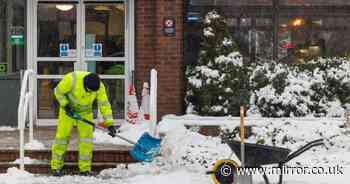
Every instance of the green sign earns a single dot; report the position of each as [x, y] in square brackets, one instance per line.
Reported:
[3, 67]
[17, 40]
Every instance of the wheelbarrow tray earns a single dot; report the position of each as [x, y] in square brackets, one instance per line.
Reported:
[258, 155]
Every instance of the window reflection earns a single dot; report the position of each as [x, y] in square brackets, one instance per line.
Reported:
[304, 38]
[105, 29]
[47, 104]
[55, 68]
[106, 67]
[115, 90]
[55, 27]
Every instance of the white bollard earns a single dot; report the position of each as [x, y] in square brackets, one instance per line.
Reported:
[153, 104]
[347, 117]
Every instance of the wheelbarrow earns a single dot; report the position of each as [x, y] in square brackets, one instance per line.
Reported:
[257, 155]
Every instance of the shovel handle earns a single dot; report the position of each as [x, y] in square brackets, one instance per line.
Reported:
[116, 135]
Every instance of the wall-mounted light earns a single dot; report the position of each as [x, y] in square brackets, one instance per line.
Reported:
[102, 8]
[64, 7]
[298, 22]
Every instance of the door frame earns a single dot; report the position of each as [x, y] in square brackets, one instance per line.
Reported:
[32, 59]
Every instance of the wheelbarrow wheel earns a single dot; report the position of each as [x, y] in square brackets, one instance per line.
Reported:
[224, 172]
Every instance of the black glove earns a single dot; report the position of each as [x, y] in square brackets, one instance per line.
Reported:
[111, 131]
[70, 112]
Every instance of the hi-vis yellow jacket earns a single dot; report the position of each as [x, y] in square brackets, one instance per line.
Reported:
[70, 90]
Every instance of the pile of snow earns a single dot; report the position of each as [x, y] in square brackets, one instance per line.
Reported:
[183, 148]
[34, 145]
[180, 147]
[127, 130]
[28, 160]
[15, 176]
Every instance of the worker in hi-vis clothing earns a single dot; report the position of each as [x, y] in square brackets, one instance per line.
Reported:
[76, 93]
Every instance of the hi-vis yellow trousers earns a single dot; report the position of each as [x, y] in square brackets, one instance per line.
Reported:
[85, 140]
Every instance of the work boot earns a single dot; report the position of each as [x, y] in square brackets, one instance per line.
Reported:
[57, 173]
[85, 173]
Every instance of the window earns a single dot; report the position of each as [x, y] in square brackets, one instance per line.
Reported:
[12, 36]
[287, 31]
[314, 2]
[302, 38]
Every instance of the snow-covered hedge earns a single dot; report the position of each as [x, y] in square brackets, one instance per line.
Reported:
[319, 88]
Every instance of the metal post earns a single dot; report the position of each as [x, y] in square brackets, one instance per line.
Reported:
[242, 135]
[21, 145]
[22, 122]
[153, 103]
[347, 117]
[31, 118]
[243, 179]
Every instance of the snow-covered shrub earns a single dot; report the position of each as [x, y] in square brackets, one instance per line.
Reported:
[219, 82]
[319, 87]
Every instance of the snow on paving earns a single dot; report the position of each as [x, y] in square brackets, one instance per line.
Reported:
[187, 154]
[34, 145]
[7, 128]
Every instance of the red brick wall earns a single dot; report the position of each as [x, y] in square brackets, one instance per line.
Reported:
[165, 54]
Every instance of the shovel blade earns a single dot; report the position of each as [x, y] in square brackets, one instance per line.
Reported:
[146, 148]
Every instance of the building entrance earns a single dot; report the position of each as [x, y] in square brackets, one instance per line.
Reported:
[79, 35]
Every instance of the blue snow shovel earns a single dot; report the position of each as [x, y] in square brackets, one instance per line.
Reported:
[144, 150]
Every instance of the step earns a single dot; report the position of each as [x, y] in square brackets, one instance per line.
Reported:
[69, 168]
[115, 156]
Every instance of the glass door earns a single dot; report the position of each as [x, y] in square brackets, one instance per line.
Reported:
[104, 52]
[79, 35]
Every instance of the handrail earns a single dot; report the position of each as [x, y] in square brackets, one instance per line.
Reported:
[25, 102]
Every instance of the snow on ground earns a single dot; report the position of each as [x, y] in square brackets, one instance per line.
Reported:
[127, 130]
[187, 154]
[7, 128]
[28, 160]
[15, 176]
[34, 145]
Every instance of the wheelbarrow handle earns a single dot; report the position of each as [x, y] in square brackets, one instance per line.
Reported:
[301, 150]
